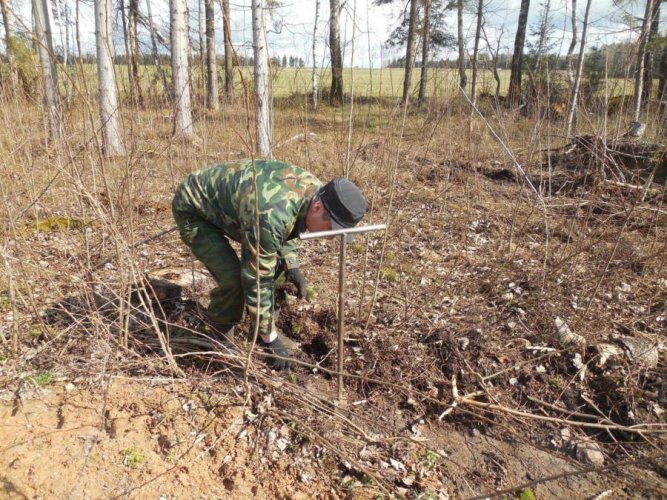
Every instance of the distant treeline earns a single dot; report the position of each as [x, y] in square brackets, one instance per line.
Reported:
[620, 59]
[164, 59]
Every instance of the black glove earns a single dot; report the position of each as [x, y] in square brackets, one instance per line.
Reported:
[296, 276]
[277, 348]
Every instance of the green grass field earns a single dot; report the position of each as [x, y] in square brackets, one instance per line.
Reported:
[285, 82]
[360, 82]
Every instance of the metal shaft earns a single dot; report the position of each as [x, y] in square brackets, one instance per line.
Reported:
[338, 232]
[341, 313]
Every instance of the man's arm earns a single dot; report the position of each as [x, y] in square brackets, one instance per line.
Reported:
[289, 253]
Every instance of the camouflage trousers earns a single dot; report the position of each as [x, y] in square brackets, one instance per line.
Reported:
[210, 245]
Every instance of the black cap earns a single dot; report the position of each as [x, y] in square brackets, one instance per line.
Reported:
[344, 202]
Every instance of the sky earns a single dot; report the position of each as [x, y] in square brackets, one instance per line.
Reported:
[365, 26]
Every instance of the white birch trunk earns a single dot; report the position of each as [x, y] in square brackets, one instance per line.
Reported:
[262, 100]
[45, 48]
[314, 73]
[577, 79]
[108, 97]
[180, 70]
[211, 59]
[573, 43]
[641, 58]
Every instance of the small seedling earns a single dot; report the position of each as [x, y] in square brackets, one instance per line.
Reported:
[357, 247]
[430, 459]
[311, 292]
[556, 382]
[389, 274]
[43, 379]
[527, 494]
[132, 457]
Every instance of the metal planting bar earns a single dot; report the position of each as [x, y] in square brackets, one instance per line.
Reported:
[342, 234]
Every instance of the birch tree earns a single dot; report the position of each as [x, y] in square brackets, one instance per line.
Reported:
[262, 101]
[577, 79]
[133, 21]
[410, 51]
[13, 77]
[45, 49]
[212, 100]
[573, 44]
[108, 98]
[641, 59]
[475, 52]
[463, 79]
[426, 44]
[313, 77]
[180, 69]
[229, 49]
[514, 94]
[336, 93]
[649, 65]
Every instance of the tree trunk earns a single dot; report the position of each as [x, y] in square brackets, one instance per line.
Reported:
[77, 32]
[577, 79]
[410, 51]
[45, 49]
[478, 34]
[128, 59]
[133, 21]
[13, 76]
[108, 98]
[463, 78]
[180, 69]
[573, 44]
[649, 58]
[211, 67]
[426, 45]
[314, 72]
[514, 94]
[641, 57]
[262, 101]
[229, 49]
[201, 32]
[336, 93]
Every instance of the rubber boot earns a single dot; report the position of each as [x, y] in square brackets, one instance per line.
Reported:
[223, 331]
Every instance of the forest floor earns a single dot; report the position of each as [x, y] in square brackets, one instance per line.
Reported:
[498, 342]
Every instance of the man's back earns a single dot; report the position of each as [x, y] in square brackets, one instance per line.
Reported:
[224, 195]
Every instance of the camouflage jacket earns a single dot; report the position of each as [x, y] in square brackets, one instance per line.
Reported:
[224, 195]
